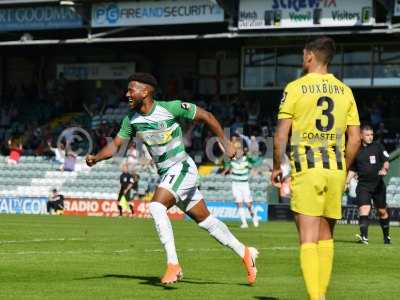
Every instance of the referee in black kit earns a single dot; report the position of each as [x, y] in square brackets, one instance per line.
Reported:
[371, 165]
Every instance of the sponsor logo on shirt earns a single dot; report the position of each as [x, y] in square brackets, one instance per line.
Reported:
[156, 138]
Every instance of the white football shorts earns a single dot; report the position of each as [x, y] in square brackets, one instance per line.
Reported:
[181, 181]
[241, 191]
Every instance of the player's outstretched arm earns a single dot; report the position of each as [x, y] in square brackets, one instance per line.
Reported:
[281, 139]
[105, 153]
[353, 144]
[212, 123]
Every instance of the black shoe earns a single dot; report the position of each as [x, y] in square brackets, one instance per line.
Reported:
[387, 240]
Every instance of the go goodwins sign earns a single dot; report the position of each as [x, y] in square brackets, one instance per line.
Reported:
[41, 17]
[255, 14]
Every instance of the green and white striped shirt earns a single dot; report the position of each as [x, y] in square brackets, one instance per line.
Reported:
[160, 131]
[240, 168]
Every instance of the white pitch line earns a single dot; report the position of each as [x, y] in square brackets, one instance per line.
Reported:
[39, 240]
[71, 252]
[223, 249]
[119, 251]
[63, 252]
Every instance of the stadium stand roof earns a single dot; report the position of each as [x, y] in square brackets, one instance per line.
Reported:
[224, 30]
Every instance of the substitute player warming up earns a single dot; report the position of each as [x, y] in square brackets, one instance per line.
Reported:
[156, 123]
[371, 165]
[318, 110]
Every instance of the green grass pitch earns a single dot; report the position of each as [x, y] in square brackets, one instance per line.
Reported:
[65, 257]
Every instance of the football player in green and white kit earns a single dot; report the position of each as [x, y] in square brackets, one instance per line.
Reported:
[239, 170]
[156, 124]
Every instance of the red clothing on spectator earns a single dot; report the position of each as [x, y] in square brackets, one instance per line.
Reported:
[15, 153]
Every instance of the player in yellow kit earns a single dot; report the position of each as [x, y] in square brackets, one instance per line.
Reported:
[317, 110]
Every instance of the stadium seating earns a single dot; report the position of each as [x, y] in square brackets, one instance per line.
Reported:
[36, 176]
[393, 192]
[217, 187]
[116, 114]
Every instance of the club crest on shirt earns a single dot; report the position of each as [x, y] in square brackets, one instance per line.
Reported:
[283, 97]
[185, 105]
[162, 125]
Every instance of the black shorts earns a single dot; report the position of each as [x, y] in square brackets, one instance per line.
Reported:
[378, 195]
[55, 205]
[121, 193]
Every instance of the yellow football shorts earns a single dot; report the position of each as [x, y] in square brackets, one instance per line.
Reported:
[318, 192]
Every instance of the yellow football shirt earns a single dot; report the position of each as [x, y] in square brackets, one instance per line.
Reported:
[321, 107]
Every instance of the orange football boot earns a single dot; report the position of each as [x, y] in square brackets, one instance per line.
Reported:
[172, 274]
[249, 260]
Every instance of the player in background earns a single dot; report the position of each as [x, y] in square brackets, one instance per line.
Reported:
[371, 165]
[239, 169]
[55, 203]
[318, 110]
[129, 182]
[156, 123]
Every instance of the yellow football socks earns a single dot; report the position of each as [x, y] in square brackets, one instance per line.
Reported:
[325, 253]
[309, 262]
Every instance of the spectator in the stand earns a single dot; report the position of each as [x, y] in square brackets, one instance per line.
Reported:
[197, 136]
[265, 131]
[55, 203]
[113, 97]
[13, 113]
[381, 134]
[5, 117]
[40, 149]
[238, 124]
[375, 115]
[95, 110]
[239, 108]
[70, 160]
[59, 154]
[252, 115]
[101, 136]
[216, 106]
[15, 152]
[69, 134]
[363, 112]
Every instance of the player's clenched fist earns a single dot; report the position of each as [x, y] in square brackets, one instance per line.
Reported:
[90, 160]
[276, 177]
